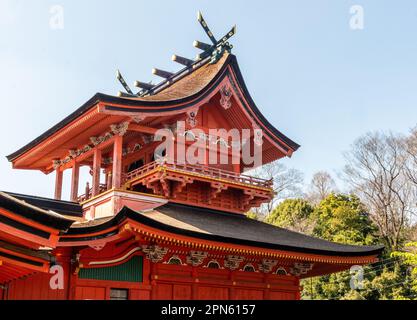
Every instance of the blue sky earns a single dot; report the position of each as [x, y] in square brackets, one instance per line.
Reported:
[317, 80]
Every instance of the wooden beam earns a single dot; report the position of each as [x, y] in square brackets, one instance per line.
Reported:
[140, 128]
[86, 155]
[162, 73]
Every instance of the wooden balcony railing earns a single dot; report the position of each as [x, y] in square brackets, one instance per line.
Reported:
[89, 192]
[204, 171]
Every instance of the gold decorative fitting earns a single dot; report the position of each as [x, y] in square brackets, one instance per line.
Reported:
[301, 268]
[155, 253]
[267, 265]
[119, 129]
[253, 253]
[225, 99]
[196, 258]
[233, 262]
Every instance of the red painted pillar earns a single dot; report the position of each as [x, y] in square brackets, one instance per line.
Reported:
[58, 184]
[194, 286]
[74, 181]
[232, 290]
[154, 277]
[108, 180]
[117, 162]
[300, 288]
[96, 172]
[236, 168]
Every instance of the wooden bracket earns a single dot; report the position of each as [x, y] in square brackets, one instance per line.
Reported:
[216, 189]
[180, 185]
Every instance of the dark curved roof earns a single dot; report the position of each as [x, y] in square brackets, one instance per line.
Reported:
[179, 95]
[32, 212]
[179, 219]
[67, 208]
[227, 227]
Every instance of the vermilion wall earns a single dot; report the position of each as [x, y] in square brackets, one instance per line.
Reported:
[183, 282]
[164, 282]
[34, 287]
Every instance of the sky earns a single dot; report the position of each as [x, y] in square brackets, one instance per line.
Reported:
[317, 77]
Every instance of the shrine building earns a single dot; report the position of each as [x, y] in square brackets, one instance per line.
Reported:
[161, 217]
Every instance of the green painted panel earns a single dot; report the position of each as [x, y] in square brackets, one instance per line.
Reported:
[130, 271]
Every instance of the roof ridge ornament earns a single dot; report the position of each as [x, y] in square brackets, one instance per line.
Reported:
[211, 54]
[123, 82]
[218, 47]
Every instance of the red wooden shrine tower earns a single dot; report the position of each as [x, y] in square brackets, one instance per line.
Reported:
[152, 225]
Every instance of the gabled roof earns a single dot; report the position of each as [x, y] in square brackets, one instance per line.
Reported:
[178, 94]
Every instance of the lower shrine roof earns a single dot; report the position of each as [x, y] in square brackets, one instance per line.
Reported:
[66, 208]
[183, 220]
[225, 227]
[39, 254]
[33, 209]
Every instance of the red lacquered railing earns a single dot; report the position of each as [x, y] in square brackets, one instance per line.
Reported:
[89, 192]
[126, 177]
[197, 169]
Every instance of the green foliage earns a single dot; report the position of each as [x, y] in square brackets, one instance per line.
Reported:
[292, 214]
[338, 218]
[252, 215]
[389, 284]
[342, 218]
[379, 283]
[410, 259]
[331, 286]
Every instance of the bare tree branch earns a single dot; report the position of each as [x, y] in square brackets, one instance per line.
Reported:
[379, 170]
[287, 184]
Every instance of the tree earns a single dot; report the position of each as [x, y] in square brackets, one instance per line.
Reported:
[293, 214]
[343, 218]
[286, 184]
[338, 218]
[252, 215]
[390, 283]
[411, 149]
[377, 172]
[410, 258]
[322, 184]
